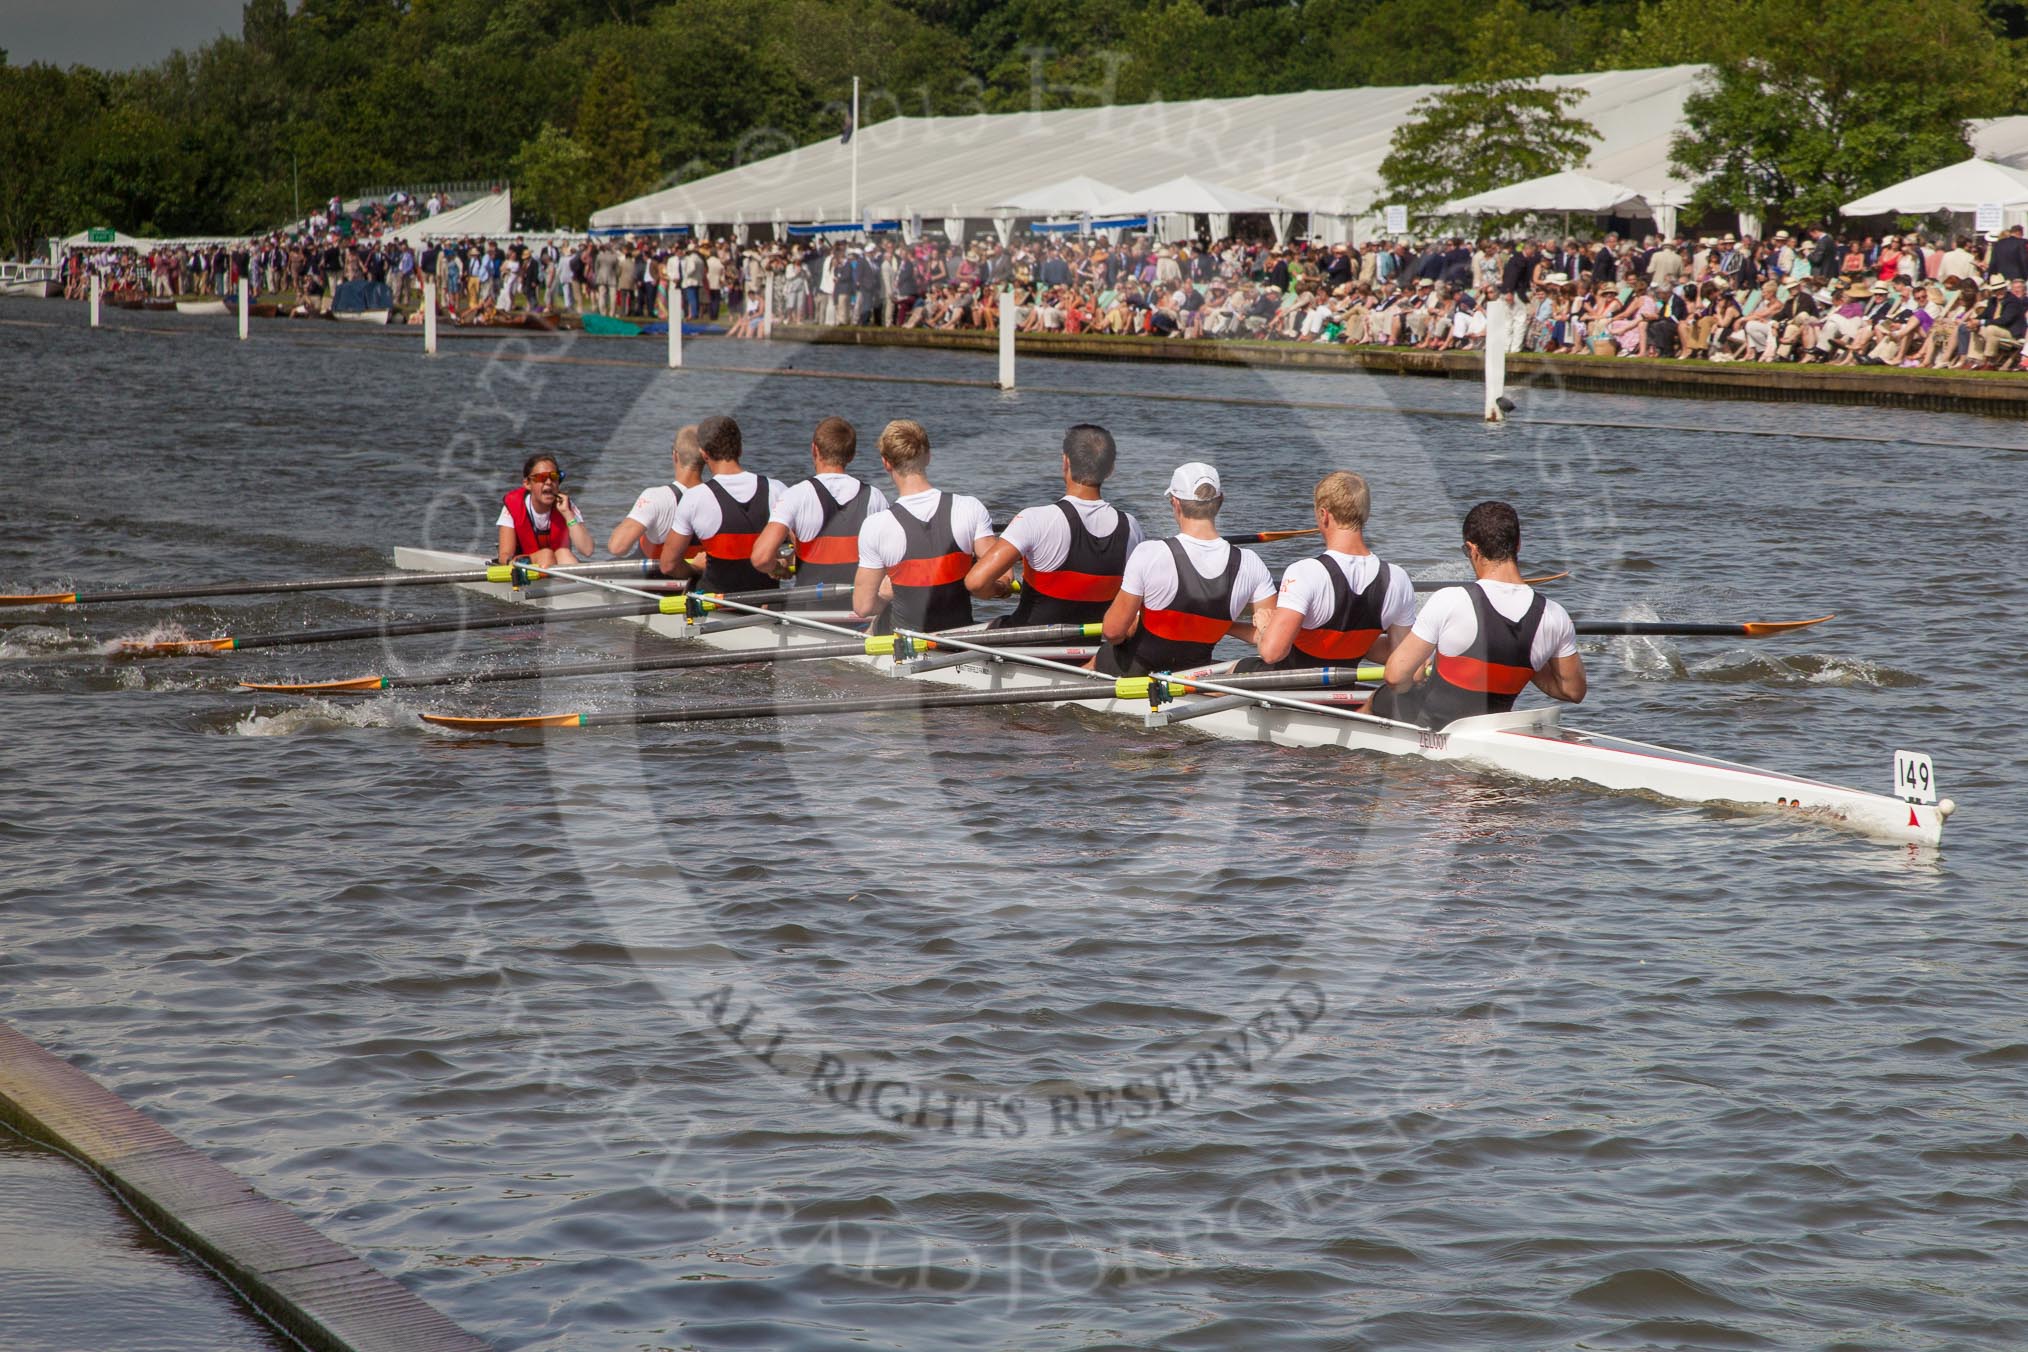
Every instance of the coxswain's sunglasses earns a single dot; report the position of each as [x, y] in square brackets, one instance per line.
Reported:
[546, 476]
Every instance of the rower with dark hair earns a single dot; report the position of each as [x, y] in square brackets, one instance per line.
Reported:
[537, 520]
[821, 514]
[1073, 551]
[1180, 596]
[913, 557]
[726, 516]
[1491, 640]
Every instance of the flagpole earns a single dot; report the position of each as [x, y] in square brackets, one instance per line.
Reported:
[855, 148]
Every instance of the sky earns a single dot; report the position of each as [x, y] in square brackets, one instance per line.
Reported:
[111, 34]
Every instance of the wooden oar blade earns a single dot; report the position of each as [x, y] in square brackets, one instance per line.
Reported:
[1267, 535]
[468, 724]
[1546, 577]
[40, 599]
[181, 647]
[356, 684]
[1762, 628]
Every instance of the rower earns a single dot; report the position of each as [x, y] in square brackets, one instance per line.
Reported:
[1490, 639]
[913, 557]
[727, 516]
[1181, 595]
[537, 521]
[1343, 606]
[647, 525]
[1073, 552]
[822, 513]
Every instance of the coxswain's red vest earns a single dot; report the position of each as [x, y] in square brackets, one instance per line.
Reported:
[1352, 628]
[1079, 590]
[526, 538]
[832, 554]
[1182, 634]
[728, 552]
[1486, 677]
[929, 582]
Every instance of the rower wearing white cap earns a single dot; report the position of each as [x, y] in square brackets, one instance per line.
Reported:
[1491, 640]
[1072, 552]
[916, 553]
[1180, 596]
[647, 525]
[1345, 605]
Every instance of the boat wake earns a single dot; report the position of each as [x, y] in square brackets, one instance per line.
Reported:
[320, 716]
[1651, 659]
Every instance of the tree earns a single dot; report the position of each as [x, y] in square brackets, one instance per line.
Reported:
[1799, 125]
[1500, 126]
[553, 180]
[612, 127]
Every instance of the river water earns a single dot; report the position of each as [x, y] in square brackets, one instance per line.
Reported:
[1017, 1026]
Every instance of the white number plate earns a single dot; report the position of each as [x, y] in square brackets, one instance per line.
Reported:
[1914, 777]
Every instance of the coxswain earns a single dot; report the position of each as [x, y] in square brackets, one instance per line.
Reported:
[1073, 551]
[821, 514]
[1343, 607]
[1491, 639]
[914, 556]
[646, 527]
[726, 516]
[538, 522]
[1181, 595]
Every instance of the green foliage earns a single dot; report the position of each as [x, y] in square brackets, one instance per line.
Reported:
[1794, 125]
[585, 102]
[553, 181]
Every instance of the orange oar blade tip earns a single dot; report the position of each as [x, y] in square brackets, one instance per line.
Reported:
[462, 724]
[358, 683]
[175, 648]
[40, 599]
[1546, 577]
[1762, 628]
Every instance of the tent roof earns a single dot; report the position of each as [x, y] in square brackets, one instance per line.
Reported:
[1318, 151]
[1567, 191]
[1065, 197]
[491, 214]
[83, 240]
[1958, 187]
[2003, 140]
[1190, 195]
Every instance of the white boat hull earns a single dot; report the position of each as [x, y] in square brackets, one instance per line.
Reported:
[201, 307]
[360, 316]
[1527, 743]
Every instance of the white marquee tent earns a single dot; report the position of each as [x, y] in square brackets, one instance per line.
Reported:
[491, 214]
[1077, 195]
[1964, 186]
[1317, 152]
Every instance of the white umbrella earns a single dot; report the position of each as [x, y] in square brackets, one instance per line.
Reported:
[1074, 196]
[1570, 191]
[1959, 187]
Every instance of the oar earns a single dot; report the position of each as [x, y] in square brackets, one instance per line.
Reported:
[1261, 537]
[1430, 584]
[516, 573]
[239, 643]
[956, 699]
[1038, 633]
[1671, 629]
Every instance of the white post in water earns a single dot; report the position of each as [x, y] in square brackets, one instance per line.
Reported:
[1007, 339]
[767, 305]
[1496, 359]
[244, 310]
[95, 298]
[675, 324]
[429, 319]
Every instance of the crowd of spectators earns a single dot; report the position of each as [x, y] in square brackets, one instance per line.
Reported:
[1892, 300]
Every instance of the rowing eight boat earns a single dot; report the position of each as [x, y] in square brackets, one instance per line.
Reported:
[1528, 743]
